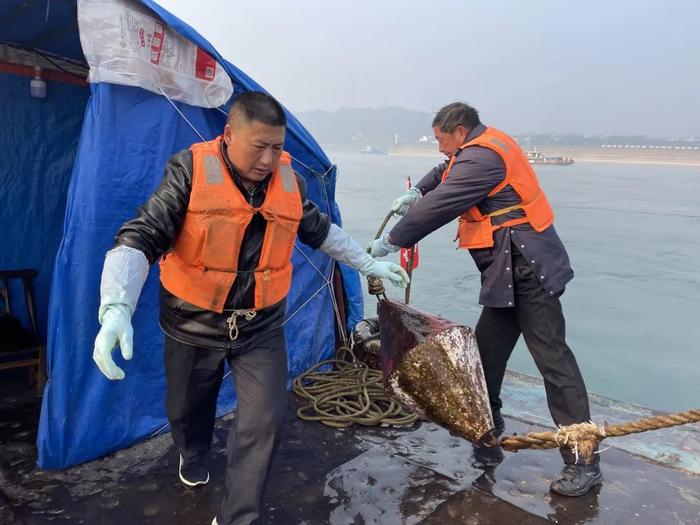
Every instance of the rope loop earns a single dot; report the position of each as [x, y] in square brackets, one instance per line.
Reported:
[584, 438]
[344, 391]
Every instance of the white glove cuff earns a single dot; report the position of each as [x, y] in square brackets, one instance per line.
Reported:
[391, 248]
[114, 311]
[343, 248]
[124, 272]
[367, 265]
[416, 191]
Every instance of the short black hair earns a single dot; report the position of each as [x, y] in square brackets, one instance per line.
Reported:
[456, 114]
[255, 105]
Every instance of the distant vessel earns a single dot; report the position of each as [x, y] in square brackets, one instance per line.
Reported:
[374, 150]
[537, 157]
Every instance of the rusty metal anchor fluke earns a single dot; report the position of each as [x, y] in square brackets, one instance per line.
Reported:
[432, 366]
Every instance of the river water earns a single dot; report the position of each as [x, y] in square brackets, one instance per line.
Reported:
[633, 234]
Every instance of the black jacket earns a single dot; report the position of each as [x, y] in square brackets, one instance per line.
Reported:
[156, 227]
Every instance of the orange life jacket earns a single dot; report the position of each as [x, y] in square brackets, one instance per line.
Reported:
[475, 230]
[203, 264]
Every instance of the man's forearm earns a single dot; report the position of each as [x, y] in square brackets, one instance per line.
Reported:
[431, 180]
[429, 214]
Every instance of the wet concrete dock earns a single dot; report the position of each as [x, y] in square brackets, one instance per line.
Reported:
[420, 475]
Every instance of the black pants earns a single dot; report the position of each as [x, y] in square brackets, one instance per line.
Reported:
[538, 316]
[259, 370]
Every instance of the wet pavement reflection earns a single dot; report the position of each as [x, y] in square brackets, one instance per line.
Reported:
[420, 475]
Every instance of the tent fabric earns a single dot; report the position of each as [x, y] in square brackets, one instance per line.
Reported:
[34, 178]
[50, 26]
[127, 135]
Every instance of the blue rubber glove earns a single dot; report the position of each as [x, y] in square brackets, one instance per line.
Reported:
[400, 206]
[385, 270]
[382, 247]
[116, 328]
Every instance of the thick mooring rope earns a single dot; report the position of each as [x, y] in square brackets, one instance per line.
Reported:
[583, 438]
[350, 393]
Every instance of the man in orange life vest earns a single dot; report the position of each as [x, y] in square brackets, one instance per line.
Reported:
[506, 224]
[223, 223]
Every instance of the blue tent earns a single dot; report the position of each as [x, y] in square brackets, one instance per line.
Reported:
[77, 164]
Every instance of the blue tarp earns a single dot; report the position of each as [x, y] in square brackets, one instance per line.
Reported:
[34, 177]
[126, 137]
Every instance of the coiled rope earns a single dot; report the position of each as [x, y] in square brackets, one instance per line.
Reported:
[349, 393]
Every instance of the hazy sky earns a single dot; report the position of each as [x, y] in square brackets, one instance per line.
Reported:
[627, 66]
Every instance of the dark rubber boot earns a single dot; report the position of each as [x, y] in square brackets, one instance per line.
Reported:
[498, 424]
[486, 457]
[193, 474]
[577, 480]
[489, 457]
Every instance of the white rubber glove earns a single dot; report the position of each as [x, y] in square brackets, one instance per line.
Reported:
[401, 205]
[124, 272]
[382, 247]
[116, 328]
[385, 270]
[345, 249]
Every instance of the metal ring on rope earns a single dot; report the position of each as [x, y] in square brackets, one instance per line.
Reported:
[375, 286]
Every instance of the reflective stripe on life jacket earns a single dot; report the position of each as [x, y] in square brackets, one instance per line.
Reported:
[475, 230]
[203, 264]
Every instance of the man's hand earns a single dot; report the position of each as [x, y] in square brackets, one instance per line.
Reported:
[385, 270]
[116, 327]
[400, 206]
[381, 247]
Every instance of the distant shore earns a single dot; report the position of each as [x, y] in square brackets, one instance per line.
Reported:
[585, 154]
